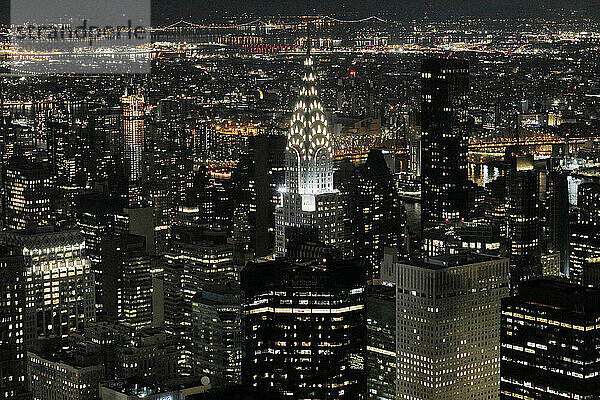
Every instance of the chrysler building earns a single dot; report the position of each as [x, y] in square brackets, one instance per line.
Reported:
[308, 199]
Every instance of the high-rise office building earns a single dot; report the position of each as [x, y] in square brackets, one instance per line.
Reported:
[308, 198]
[27, 194]
[13, 384]
[444, 135]
[378, 220]
[8, 136]
[96, 216]
[260, 173]
[557, 210]
[550, 342]
[588, 202]
[448, 326]
[196, 257]
[60, 283]
[584, 234]
[217, 333]
[591, 273]
[305, 328]
[134, 139]
[106, 132]
[126, 280]
[209, 202]
[522, 216]
[380, 360]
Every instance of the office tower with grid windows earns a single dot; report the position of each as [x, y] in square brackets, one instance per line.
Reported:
[196, 257]
[12, 301]
[127, 280]
[134, 142]
[378, 218]
[522, 215]
[448, 326]
[59, 293]
[27, 194]
[550, 341]
[444, 135]
[380, 360]
[305, 328]
[584, 236]
[217, 333]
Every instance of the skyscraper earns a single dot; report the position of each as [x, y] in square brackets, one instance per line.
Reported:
[96, 216]
[196, 257]
[217, 333]
[304, 328]
[522, 216]
[444, 135]
[378, 220]
[60, 283]
[380, 360]
[133, 136]
[557, 213]
[308, 198]
[260, 173]
[127, 280]
[448, 326]
[584, 235]
[27, 194]
[550, 342]
[12, 301]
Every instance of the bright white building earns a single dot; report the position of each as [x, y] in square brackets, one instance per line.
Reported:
[308, 198]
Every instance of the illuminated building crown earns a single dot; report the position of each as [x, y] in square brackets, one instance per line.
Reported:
[309, 148]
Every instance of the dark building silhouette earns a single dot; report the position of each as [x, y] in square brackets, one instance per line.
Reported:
[378, 220]
[98, 216]
[303, 243]
[584, 230]
[522, 215]
[13, 383]
[305, 328]
[260, 173]
[550, 342]
[557, 212]
[380, 361]
[591, 273]
[127, 280]
[444, 126]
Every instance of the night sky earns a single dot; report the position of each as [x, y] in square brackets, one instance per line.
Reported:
[173, 10]
[436, 9]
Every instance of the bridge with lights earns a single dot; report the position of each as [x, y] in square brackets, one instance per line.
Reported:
[261, 25]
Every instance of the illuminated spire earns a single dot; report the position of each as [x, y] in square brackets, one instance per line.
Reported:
[309, 142]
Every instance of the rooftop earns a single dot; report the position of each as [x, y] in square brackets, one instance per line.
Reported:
[454, 260]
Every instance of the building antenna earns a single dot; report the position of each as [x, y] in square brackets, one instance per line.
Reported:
[308, 37]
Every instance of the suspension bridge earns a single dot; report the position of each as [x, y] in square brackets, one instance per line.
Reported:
[260, 24]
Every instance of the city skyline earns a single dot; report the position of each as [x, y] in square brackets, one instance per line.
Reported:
[300, 201]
